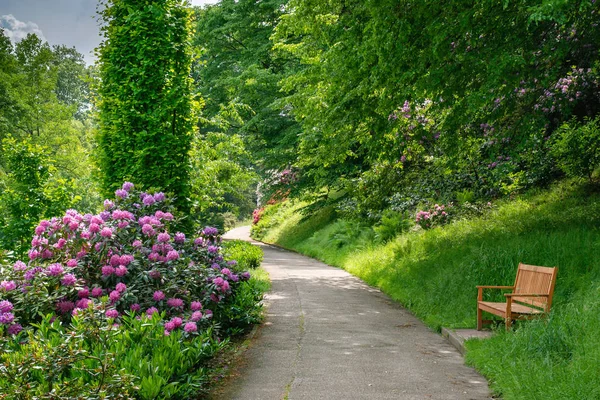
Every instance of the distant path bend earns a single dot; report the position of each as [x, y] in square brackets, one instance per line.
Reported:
[330, 336]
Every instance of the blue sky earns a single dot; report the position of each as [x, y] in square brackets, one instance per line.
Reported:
[68, 22]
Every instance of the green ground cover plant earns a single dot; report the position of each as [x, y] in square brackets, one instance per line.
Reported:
[434, 272]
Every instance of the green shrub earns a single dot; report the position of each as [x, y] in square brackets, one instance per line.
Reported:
[392, 223]
[245, 254]
[577, 148]
[92, 360]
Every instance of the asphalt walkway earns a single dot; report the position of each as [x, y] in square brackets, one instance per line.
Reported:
[330, 336]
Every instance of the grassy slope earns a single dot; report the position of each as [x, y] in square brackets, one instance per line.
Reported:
[434, 273]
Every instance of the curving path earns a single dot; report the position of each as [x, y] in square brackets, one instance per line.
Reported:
[330, 336]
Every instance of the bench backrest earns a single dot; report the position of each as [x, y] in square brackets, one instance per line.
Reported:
[535, 280]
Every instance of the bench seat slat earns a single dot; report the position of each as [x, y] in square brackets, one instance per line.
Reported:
[499, 309]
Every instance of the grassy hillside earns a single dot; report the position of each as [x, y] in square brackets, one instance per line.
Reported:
[434, 273]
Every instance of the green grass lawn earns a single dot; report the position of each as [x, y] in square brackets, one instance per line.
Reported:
[434, 274]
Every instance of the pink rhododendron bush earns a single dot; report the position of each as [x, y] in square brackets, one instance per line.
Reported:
[125, 271]
[127, 255]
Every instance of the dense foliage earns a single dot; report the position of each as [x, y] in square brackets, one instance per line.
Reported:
[45, 137]
[146, 110]
[138, 309]
[399, 102]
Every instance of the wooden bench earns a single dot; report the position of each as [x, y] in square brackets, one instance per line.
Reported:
[531, 296]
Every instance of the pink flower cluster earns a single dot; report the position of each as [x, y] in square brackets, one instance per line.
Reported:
[435, 216]
[127, 254]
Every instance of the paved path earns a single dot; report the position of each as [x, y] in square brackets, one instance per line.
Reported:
[330, 336]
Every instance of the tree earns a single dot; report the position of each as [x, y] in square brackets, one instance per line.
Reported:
[146, 111]
[238, 74]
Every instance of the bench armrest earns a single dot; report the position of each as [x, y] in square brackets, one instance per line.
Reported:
[526, 295]
[480, 290]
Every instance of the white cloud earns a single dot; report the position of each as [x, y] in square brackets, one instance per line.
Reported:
[16, 30]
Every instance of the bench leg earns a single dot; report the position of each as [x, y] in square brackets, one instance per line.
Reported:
[508, 322]
[479, 317]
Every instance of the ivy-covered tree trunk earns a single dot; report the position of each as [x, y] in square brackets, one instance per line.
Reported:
[146, 110]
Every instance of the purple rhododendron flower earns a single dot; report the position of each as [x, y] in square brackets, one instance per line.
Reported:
[121, 287]
[108, 204]
[163, 237]
[137, 243]
[195, 306]
[106, 232]
[54, 270]
[213, 249]
[190, 327]
[82, 304]
[122, 193]
[5, 306]
[170, 326]
[158, 295]
[175, 303]
[151, 311]
[168, 216]
[128, 186]
[14, 329]
[8, 285]
[196, 316]
[115, 260]
[179, 237]
[148, 200]
[7, 318]
[226, 271]
[135, 307]
[33, 254]
[29, 275]
[20, 266]
[72, 263]
[83, 293]
[94, 228]
[97, 292]
[108, 270]
[114, 296]
[112, 314]
[210, 231]
[225, 286]
[172, 255]
[121, 271]
[160, 196]
[177, 321]
[148, 230]
[232, 262]
[68, 280]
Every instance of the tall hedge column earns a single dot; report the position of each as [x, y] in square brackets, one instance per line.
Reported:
[146, 109]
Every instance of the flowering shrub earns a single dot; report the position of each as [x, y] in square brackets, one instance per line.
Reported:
[436, 216]
[257, 214]
[127, 256]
